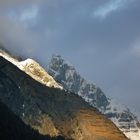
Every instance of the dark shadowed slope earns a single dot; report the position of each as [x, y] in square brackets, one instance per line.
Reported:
[13, 128]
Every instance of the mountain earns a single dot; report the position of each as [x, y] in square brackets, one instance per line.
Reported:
[52, 111]
[63, 72]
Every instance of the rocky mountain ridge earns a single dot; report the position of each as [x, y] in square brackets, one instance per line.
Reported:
[13, 128]
[33, 69]
[72, 81]
[52, 111]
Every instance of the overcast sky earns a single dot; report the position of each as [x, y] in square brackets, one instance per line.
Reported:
[101, 38]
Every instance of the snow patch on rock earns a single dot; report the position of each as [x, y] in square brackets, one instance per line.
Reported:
[33, 69]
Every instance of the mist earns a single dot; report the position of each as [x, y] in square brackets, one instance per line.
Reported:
[100, 38]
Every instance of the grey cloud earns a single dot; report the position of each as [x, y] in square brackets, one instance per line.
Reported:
[100, 49]
[111, 6]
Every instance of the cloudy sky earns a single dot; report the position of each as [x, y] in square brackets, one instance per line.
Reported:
[101, 38]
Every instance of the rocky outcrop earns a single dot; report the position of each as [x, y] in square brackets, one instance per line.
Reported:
[33, 69]
[50, 110]
[72, 81]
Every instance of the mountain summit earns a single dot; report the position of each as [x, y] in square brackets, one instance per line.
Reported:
[71, 80]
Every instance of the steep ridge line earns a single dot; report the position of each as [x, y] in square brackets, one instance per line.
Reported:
[68, 113]
[33, 69]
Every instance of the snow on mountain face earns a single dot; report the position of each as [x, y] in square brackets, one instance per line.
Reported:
[72, 81]
[67, 75]
[124, 118]
[33, 69]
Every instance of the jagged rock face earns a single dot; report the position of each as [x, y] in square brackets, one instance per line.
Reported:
[71, 80]
[125, 119]
[66, 74]
[52, 111]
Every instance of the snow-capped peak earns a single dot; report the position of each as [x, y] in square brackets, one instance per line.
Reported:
[33, 69]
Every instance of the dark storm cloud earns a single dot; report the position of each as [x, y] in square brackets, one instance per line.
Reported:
[101, 38]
